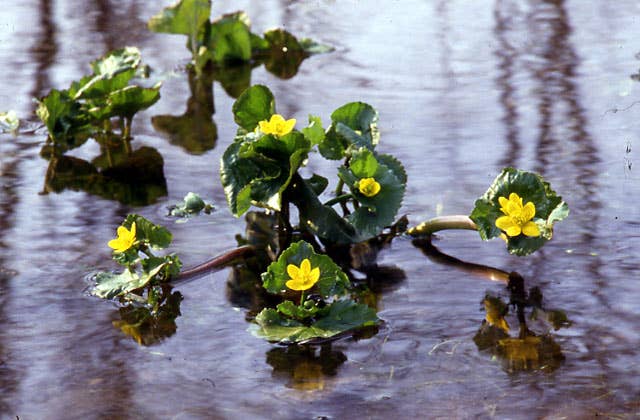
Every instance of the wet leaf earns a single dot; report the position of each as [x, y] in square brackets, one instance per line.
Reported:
[109, 285]
[532, 188]
[339, 317]
[292, 310]
[67, 122]
[191, 205]
[332, 280]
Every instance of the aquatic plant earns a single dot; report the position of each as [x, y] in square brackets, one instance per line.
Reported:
[86, 109]
[229, 39]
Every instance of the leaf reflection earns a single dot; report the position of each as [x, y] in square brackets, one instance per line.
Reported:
[135, 178]
[305, 368]
[149, 325]
[523, 349]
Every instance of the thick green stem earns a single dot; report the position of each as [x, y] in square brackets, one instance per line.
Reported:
[442, 223]
[339, 199]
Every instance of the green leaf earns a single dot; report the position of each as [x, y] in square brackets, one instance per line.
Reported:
[68, 124]
[109, 285]
[292, 310]
[314, 131]
[320, 219]
[254, 105]
[332, 280]
[156, 236]
[110, 73]
[191, 205]
[531, 188]
[230, 39]
[256, 169]
[377, 212]
[183, 17]
[127, 102]
[317, 183]
[339, 317]
[354, 125]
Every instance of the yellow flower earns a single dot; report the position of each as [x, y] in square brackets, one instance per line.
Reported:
[368, 187]
[277, 125]
[517, 217]
[304, 277]
[125, 238]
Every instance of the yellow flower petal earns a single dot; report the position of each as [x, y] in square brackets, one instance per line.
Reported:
[504, 222]
[528, 211]
[531, 229]
[277, 125]
[314, 275]
[514, 230]
[303, 277]
[368, 187]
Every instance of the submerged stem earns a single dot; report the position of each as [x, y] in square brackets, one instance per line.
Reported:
[442, 223]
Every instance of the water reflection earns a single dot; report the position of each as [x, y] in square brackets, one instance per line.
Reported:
[305, 368]
[135, 178]
[149, 325]
[525, 349]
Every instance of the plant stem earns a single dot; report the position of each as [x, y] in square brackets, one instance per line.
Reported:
[301, 298]
[338, 199]
[217, 262]
[442, 223]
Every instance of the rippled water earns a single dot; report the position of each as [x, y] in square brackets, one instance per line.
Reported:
[463, 89]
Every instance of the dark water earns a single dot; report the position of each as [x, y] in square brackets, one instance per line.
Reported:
[463, 89]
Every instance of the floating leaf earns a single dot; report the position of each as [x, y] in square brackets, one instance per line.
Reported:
[549, 208]
[109, 285]
[191, 205]
[332, 280]
[337, 318]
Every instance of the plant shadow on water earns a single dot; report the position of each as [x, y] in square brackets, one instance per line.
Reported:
[526, 350]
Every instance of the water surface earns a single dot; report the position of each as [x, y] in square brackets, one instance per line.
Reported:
[463, 89]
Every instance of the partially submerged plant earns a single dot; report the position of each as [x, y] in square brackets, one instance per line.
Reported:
[519, 206]
[132, 249]
[229, 39]
[325, 308]
[262, 168]
[87, 107]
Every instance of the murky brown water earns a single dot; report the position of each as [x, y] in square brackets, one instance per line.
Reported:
[463, 89]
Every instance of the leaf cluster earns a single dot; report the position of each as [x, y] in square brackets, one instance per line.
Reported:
[229, 39]
[142, 267]
[262, 170]
[550, 208]
[86, 108]
[325, 313]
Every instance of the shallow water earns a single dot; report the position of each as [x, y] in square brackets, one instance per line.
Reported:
[463, 89]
